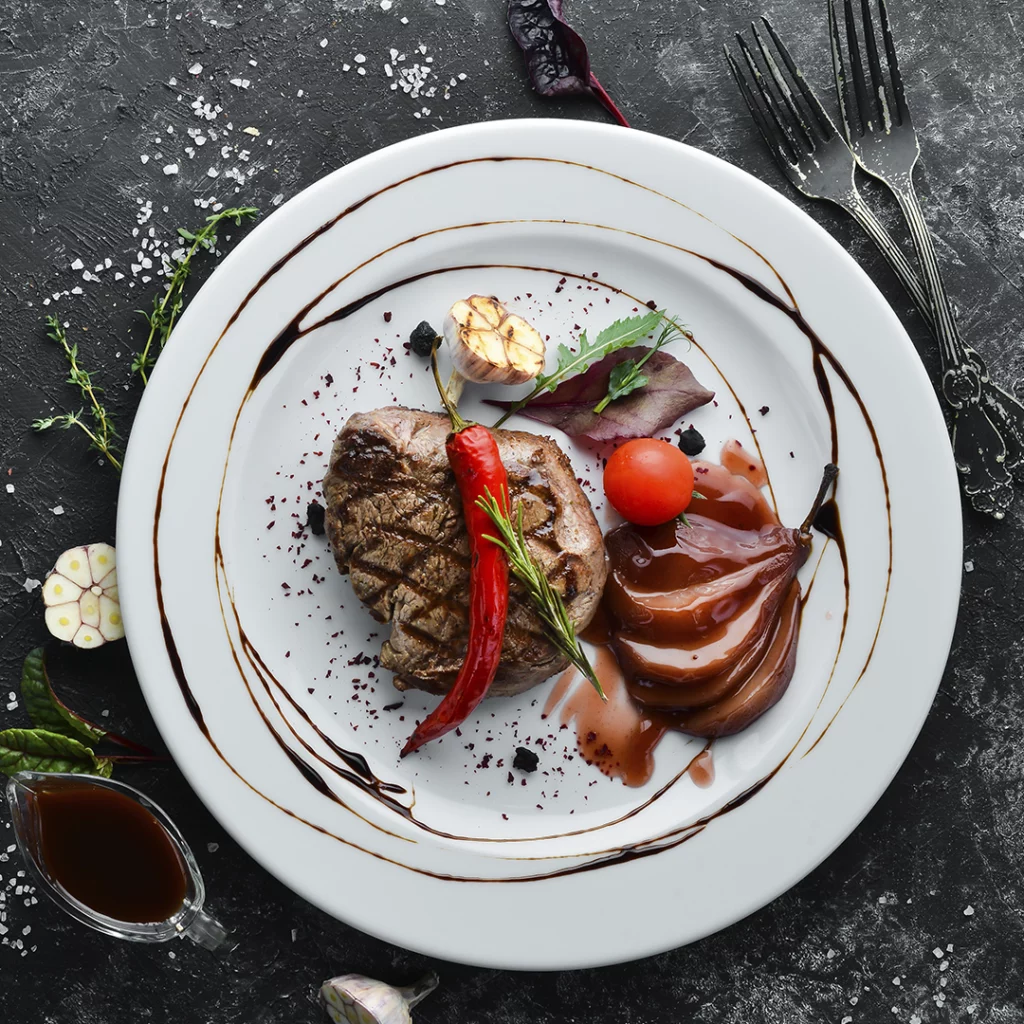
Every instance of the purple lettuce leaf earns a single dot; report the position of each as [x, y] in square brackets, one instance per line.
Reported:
[671, 391]
[556, 57]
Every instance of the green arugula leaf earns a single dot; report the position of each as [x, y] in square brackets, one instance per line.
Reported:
[37, 750]
[45, 708]
[620, 334]
[626, 377]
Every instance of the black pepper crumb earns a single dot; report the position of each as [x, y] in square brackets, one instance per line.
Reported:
[387, 318]
[763, 410]
[691, 442]
[422, 339]
[525, 760]
[393, 707]
[315, 518]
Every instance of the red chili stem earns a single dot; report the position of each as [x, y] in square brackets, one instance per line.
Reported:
[606, 101]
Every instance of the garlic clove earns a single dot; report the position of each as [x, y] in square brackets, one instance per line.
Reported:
[90, 605]
[355, 999]
[59, 589]
[81, 597]
[110, 625]
[101, 560]
[490, 345]
[88, 637]
[74, 565]
[63, 620]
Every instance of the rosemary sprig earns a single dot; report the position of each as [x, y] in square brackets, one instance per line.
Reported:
[101, 433]
[547, 601]
[167, 306]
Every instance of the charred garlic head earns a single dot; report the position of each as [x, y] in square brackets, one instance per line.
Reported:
[490, 345]
[353, 999]
[80, 595]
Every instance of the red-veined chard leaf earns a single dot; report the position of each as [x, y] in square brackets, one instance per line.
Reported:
[46, 709]
[671, 391]
[556, 57]
[37, 750]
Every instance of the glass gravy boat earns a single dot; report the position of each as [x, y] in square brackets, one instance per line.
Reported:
[190, 920]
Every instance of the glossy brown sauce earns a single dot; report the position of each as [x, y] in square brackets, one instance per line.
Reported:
[698, 626]
[109, 852]
[820, 355]
[738, 460]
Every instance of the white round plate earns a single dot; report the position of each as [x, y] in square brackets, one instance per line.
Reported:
[258, 662]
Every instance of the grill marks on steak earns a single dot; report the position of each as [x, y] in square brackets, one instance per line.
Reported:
[394, 520]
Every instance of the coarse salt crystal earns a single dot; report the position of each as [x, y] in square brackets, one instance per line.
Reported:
[346, 67]
[77, 265]
[213, 173]
[10, 487]
[196, 69]
[170, 169]
[969, 566]
[251, 131]
[361, 71]
[937, 952]
[323, 42]
[968, 910]
[57, 510]
[31, 584]
[385, 5]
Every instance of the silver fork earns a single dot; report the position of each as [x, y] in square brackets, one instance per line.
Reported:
[988, 430]
[808, 148]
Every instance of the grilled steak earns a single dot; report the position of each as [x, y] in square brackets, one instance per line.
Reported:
[394, 520]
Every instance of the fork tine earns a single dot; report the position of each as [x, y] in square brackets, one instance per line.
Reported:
[797, 118]
[844, 90]
[769, 100]
[856, 66]
[824, 123]
[896, 79]
[774, 140]
[879, 100]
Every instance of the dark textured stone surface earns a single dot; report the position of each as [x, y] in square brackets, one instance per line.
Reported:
[84, 95]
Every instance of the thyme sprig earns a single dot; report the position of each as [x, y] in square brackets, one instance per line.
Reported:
[167, 306]
[99, 428]
[546, 600]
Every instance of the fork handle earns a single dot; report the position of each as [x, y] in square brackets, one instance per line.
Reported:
[859, 210]
[988, 422]
[961, 375]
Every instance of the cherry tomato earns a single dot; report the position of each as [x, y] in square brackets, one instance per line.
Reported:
[648, 481]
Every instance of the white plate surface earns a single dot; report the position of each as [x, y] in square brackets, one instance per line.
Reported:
[256, 659]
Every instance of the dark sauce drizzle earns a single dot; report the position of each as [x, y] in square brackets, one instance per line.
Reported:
[361, 773]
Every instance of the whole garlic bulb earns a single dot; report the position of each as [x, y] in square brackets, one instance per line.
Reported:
[355, 999]
[490, 345]
[81, 597]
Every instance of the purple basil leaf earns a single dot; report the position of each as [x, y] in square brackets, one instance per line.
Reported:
[556, 57]
[671, 391]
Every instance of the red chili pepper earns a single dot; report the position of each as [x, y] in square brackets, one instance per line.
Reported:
[476, 462]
